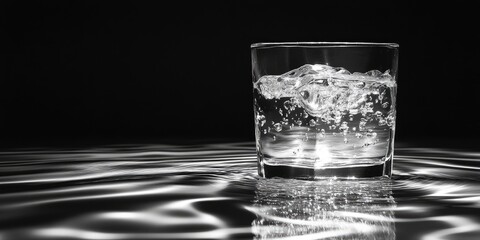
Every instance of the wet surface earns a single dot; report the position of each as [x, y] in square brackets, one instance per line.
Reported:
[213, 192]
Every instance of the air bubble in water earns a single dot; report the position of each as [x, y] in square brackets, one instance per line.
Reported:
[287, 105]
[322, 133]
[278, 127]
[369, 133]
[305, 138]
[312, 123]
[305, 94]
[361, 125]
[374, 73]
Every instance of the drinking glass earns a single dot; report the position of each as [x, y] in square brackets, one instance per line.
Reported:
[324, 109]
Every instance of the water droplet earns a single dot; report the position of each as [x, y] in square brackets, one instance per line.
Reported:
[312, 122]
[278, 127]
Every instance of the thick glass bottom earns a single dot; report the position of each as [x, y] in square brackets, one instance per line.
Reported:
[361, 171]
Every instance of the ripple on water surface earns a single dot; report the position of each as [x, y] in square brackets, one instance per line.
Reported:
[213, 192]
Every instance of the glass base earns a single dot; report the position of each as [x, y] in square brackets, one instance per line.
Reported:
[364, 171]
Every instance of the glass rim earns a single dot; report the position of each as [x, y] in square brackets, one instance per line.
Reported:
[323, 44]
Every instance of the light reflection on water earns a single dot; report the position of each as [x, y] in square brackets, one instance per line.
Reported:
[333, 209]
[213, 192]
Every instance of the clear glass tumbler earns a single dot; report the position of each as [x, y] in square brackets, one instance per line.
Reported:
[324, 109]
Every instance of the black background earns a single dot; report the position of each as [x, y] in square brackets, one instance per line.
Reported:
[128, 71]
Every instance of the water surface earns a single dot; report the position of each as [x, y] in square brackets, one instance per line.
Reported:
[213, 192]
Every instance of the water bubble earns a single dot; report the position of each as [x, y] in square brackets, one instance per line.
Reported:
[358, 84]
[322, 133]
[305, 138]
[354, 129]
[299, 122]
[279, 79]
[362, 124]
[305, 115]
[312, 122]
[344, 127]
[385, 104]
[378, 114]
[287, 105]
[390, 120]
[305, 94]
[338, 119]
[264, 131]
[374, 73]
[278, 127]
[274, 137]
[370, 133]
[341, 70]
[320, 81]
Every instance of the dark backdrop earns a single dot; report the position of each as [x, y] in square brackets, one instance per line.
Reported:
[129, 71]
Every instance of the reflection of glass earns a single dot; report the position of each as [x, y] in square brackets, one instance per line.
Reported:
[333, 209]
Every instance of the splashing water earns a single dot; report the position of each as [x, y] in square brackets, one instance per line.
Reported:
[213, 192]
[336, 118]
